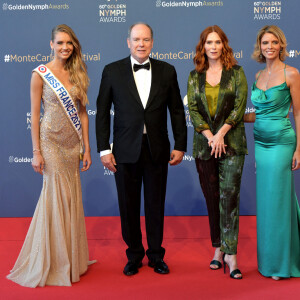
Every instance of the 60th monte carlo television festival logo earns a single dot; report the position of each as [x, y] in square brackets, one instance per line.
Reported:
[42, 58]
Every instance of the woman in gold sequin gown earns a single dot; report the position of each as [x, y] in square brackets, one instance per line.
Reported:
[55, 251]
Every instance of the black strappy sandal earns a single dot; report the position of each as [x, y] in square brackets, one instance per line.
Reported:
[234, 272]
[216, 263]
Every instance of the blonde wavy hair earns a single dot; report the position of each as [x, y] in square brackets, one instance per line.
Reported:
[278, 33]
[200, 59]
[75, 64]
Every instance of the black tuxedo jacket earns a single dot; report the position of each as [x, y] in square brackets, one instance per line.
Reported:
[118, 88]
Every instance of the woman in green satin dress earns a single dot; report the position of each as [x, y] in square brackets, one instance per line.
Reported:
[277, 154]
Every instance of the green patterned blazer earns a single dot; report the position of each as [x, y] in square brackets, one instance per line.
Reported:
[231, 107]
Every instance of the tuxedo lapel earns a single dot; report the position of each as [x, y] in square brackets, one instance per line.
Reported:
[127, 74]
[155, 80]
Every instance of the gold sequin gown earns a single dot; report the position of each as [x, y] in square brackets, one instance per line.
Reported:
[55, 251]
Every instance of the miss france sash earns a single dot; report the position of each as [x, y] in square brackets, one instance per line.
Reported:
[64, 98]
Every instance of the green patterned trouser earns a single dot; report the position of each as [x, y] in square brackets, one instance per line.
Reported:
[220, 179]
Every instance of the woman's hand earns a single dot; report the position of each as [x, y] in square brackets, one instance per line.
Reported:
[86, 161]
[217, 144]
[38, 162]
[296, 161]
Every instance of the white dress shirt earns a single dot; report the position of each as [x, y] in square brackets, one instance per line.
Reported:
[142, 80]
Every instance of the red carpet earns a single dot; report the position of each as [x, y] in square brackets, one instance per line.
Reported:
[188, 253]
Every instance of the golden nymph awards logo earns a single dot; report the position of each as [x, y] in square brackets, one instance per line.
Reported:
[112, 12]
[267, 10]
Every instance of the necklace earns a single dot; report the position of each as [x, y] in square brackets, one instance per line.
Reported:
[269, 72]
[275, 69]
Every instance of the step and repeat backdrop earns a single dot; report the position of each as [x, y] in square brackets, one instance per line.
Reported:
[101, 26]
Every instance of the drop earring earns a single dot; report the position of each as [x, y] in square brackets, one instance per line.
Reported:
[52, 54]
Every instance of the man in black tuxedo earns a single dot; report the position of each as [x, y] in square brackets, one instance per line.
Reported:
[141, 89]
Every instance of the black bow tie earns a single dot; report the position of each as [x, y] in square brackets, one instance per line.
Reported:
[138, 67]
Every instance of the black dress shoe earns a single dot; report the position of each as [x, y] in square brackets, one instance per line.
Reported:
[159, 266]
[132, 267]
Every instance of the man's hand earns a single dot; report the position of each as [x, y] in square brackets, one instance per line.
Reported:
[109, 162]
[176, 157]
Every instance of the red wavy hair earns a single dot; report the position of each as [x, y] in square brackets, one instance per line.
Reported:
[200, 59]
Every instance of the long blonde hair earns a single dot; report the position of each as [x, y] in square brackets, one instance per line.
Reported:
[278, 33]
[75, 64]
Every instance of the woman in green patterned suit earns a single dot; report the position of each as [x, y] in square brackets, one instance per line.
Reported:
[217, 97]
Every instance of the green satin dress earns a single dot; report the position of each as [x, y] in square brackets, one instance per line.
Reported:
[278, 213]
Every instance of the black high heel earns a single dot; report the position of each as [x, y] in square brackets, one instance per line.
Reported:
[216, 263]
[224, 263]
[234, 272]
